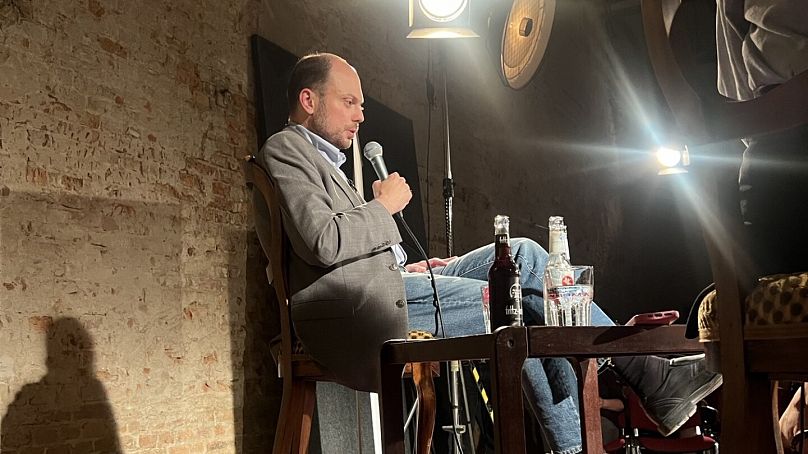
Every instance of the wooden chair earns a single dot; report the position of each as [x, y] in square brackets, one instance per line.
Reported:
[749, 357]
[299, 371]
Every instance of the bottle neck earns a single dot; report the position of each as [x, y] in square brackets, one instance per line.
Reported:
[502, 245]
[559, 244]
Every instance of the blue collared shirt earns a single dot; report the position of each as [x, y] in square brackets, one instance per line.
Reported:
[337, 158]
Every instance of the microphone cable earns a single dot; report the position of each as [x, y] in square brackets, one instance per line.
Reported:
[435, 298]
[373, 152]
[438, 318]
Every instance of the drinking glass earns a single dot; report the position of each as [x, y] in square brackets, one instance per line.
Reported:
[571, 305]
[486, 308]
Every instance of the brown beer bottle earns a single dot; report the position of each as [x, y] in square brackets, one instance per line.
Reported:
[503, 280]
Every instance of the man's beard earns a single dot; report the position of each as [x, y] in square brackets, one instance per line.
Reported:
[318, 123]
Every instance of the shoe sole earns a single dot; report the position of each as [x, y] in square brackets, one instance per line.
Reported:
[682, 413]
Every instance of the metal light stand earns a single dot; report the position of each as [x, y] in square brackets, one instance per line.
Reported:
[455, 375]
[448, 184]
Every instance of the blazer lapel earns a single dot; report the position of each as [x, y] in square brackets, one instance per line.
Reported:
[350, 192]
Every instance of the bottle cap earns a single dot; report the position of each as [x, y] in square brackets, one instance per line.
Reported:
[556, 222]
[501, 225]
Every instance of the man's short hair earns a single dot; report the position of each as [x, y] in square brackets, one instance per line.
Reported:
[311, 71]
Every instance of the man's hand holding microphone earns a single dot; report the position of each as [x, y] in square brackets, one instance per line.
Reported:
[391, 190]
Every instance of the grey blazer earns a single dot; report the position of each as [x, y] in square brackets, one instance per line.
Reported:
[346, 291]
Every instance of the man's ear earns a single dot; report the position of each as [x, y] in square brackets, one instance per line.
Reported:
[307, 99]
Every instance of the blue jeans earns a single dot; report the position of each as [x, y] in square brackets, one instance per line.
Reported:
[549, 383]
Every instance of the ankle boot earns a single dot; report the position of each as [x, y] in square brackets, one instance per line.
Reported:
[668, 389]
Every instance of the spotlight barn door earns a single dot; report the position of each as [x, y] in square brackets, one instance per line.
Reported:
[524, 40]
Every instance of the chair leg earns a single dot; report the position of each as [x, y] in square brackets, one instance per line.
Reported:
[293, 432]
[284, 431]
[303, 433]
[425, 389]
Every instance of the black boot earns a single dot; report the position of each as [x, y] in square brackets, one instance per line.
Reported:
[669, 389]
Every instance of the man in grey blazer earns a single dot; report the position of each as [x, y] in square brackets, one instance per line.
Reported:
[351, 290]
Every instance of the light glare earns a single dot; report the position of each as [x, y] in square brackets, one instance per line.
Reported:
[442, 33]
[443, 10]
[668, 157]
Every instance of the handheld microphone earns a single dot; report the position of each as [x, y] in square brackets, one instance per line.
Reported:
[373, 153]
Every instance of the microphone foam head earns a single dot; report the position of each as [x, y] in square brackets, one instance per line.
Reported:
[372, 150]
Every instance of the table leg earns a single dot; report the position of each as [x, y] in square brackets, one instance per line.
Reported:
[589, 397]
[510, 352]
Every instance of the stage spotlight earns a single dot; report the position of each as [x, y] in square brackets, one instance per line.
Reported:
[440, 19]
[443, 10]
[672, 159]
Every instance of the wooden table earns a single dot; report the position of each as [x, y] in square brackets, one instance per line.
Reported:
[506, 349]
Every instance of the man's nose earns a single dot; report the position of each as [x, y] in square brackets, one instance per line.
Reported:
[360, 116]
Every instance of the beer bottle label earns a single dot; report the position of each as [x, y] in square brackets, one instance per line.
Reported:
[514, 308]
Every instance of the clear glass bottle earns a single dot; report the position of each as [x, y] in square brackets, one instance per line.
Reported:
[505, 290]
[558, 271]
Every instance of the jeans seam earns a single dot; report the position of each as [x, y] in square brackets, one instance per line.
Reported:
[480, 265]
[519, 259]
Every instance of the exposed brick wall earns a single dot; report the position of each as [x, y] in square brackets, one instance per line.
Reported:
[123, 224]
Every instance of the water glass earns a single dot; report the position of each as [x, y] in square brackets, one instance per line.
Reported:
[571, 305]
[486, 308]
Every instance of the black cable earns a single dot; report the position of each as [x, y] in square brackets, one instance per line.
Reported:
[438, 316]
[481, 388]
[457, 441]
[435, 297]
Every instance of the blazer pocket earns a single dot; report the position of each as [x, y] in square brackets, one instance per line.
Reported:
[322, 309]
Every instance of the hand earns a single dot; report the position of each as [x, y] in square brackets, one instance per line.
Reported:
[790, 420]
[420, 267]
[394, 192]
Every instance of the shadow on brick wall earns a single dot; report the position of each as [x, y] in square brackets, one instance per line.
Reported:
[262, 387]
[67, 410]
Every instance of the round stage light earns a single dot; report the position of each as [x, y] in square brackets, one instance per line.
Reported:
[668, 157]
[443, 10]
[524, 40]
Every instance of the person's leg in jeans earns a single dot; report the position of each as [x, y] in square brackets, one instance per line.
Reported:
[669, 391]
[550, 384]
[555, 407]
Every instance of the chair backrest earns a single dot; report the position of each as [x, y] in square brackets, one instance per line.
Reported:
[269, 228]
